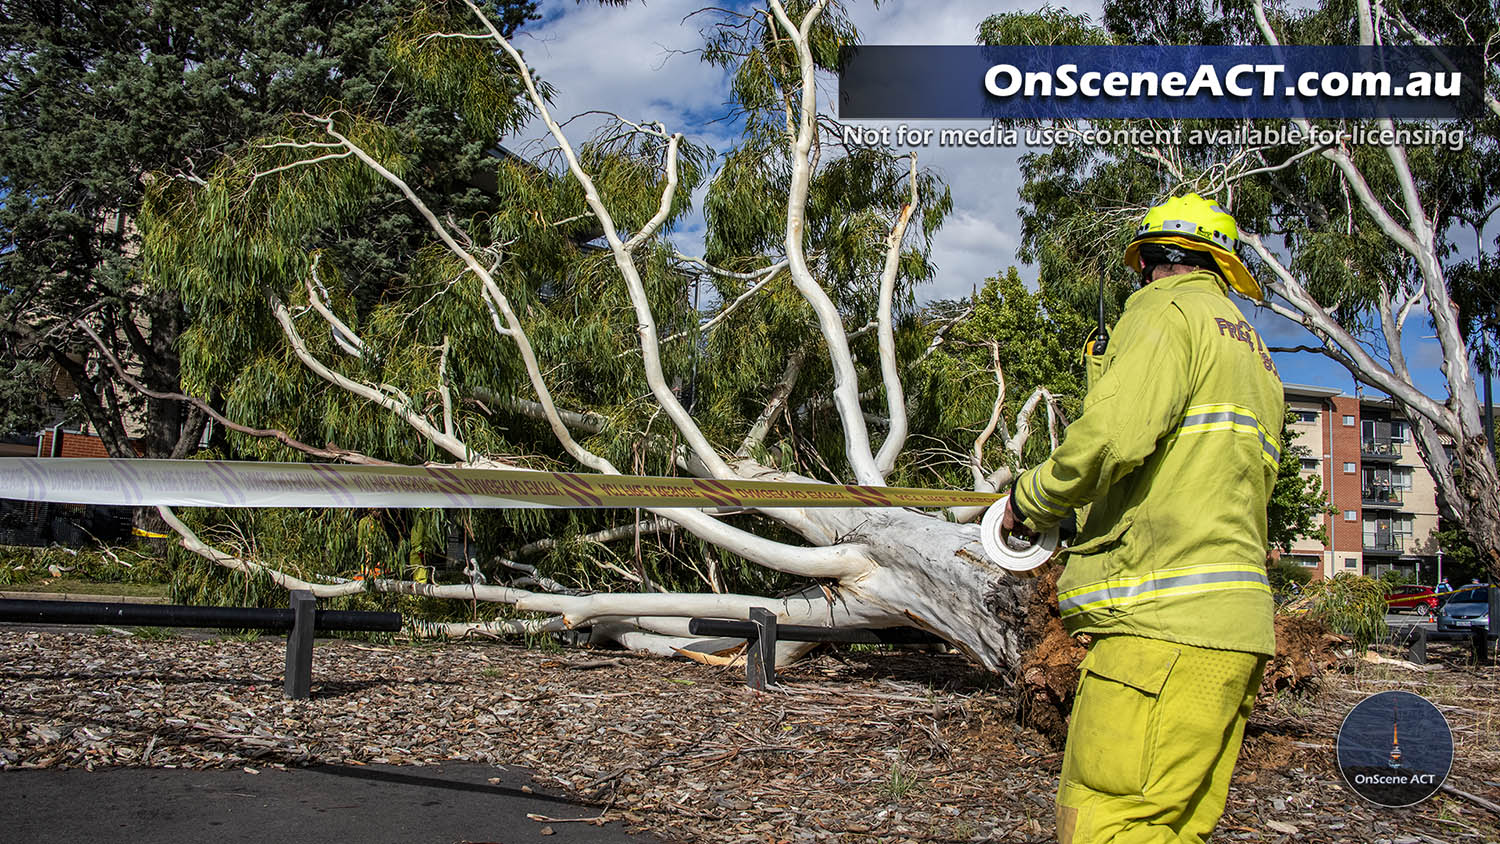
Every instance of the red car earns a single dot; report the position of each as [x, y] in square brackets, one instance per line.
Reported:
[1418, 599]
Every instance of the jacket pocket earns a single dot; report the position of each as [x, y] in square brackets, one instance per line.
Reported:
[1116, 717]
[1110, 536]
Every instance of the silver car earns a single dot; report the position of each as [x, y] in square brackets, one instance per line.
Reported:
[1464, 609]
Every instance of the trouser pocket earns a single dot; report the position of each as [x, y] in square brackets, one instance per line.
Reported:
[1116, 715]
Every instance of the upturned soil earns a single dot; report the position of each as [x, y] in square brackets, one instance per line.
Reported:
[1049, 672]
[864, 746]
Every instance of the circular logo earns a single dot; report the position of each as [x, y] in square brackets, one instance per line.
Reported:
[1395, 749]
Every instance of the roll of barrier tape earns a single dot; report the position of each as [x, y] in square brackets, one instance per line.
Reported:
[1012, 554]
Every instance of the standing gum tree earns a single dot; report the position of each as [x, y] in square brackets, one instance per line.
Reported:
[557, 329]
[1350, 241]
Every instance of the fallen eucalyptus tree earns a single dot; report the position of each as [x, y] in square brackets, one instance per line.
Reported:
[239, 246]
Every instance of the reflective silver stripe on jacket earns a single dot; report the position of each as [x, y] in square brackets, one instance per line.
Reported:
[1203, 419]
[1171, 582]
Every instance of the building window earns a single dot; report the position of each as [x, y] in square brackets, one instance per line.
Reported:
[1401, 478]
[1350, 468]
[1310, 464]
[1351, 562]
[1348, 421]
[1307, 416]
[1351, 516]
[1398, 431]
[1401, 525]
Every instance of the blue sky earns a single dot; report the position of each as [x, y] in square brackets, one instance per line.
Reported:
[637, 62]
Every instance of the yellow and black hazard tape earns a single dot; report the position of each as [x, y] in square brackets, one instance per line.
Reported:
[149, 534]
[212, 483]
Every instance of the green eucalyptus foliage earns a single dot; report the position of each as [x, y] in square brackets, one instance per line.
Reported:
[1080, 203]
[1349, 604]
[119, 565]
[1287, 577]
[1397, 577]
[1462, 560]
[1039, 340]
[1044, 27]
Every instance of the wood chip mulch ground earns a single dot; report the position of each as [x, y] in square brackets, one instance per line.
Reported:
[868, 746]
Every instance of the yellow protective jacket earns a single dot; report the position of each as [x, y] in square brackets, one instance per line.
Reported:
[1176, 453]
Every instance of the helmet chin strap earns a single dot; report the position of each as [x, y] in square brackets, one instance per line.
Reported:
[1154, 255]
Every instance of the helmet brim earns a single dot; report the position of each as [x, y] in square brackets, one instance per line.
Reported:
[1230, 265]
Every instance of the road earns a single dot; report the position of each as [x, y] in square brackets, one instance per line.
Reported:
[370, 804]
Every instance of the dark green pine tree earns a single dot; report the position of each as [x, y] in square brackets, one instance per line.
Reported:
[93, 96]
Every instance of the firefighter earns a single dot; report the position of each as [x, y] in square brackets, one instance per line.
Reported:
[1174, 457]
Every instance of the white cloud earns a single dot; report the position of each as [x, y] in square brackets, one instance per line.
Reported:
[637, 62]
[965, 250]
[923, 23]
[980, 238]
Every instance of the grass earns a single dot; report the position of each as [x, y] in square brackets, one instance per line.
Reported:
[544, 642]
[1295, 704]
[900, 782]
[72, 586]
[154, 634]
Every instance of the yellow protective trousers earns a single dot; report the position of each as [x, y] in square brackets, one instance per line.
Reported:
[1154, 736]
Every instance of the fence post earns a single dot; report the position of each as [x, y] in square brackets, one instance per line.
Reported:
[760, 652]
[1494, 620]
[299, 645]
[1481, 643]
[1417, 653]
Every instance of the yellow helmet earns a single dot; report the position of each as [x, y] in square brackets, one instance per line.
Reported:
[1199, 225]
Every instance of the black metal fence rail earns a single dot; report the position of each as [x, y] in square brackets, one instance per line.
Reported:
[299, 622]
[762, 632]
[275, 620]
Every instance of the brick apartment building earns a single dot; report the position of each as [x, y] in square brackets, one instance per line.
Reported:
[37, 523]
[1384, 499]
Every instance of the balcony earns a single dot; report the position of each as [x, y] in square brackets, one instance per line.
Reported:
[1382, 497]
[1385, 544]
[1374, 449]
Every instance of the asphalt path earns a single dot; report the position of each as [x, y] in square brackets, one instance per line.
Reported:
[1403, 625]
[332, 803]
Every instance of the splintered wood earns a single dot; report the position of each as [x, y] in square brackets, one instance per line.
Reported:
[868, 746]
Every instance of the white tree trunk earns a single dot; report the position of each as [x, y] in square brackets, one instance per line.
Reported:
[932, 574]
